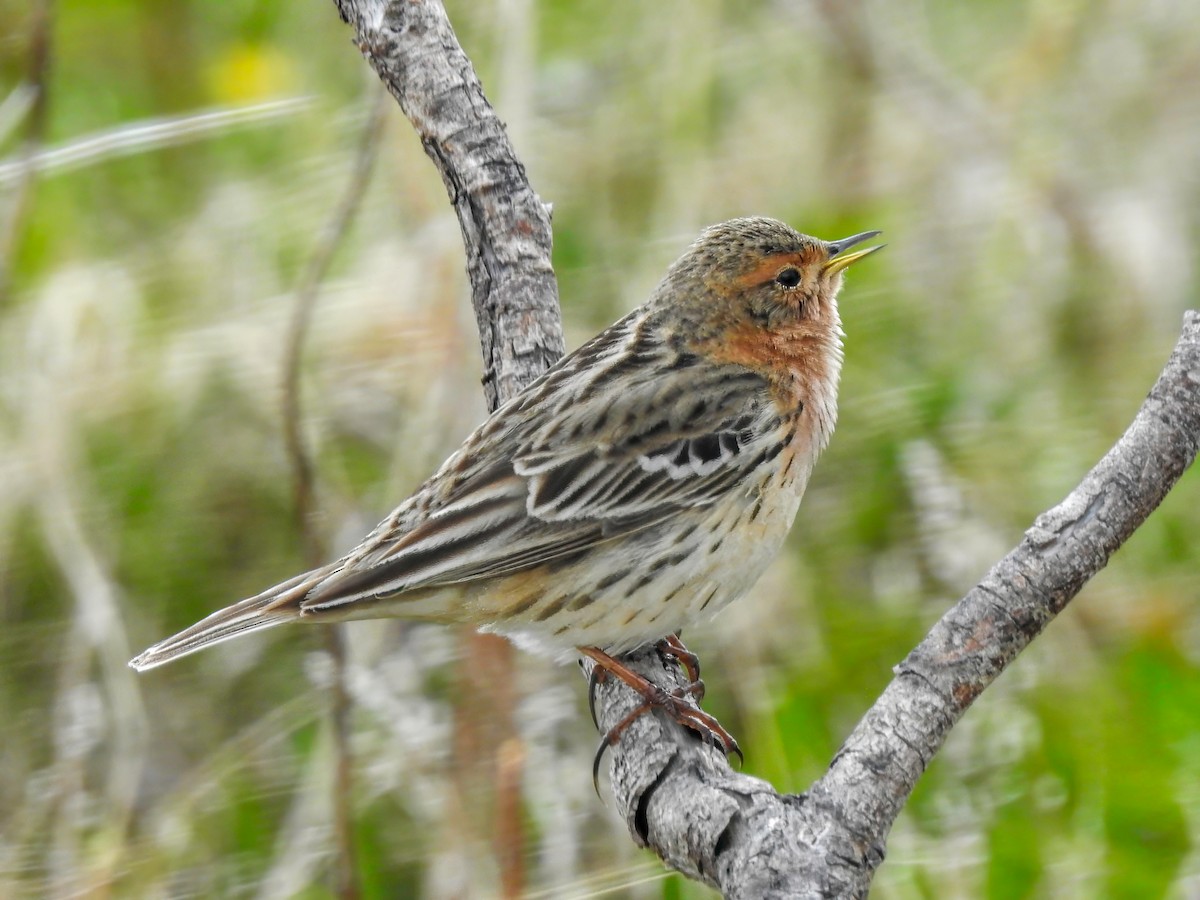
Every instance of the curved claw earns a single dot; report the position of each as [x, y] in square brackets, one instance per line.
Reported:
[596, 765]
[596, 677]
[738, 750]
[727, 744]
[705, 726]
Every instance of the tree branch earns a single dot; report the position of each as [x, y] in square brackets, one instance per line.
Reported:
[505, 227]
[737, 834]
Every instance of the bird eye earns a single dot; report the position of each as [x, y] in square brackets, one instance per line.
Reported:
[789, 277]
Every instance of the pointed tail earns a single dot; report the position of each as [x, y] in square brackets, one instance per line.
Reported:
[272, 607]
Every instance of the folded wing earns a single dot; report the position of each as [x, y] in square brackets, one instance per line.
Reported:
[627, 433]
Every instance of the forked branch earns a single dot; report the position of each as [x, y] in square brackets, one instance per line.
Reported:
[678, 797]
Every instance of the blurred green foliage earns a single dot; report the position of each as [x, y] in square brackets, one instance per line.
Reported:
[1034, 166]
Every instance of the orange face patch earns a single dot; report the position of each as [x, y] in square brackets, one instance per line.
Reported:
[770, 266]
[792, 358]
[793, 352]
[782, 357]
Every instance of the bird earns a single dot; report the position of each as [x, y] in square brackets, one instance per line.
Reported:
[638, 486]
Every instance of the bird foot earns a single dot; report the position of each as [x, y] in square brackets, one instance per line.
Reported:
[674, 703]
[671, 648]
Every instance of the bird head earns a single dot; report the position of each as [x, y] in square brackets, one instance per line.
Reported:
[756, 278]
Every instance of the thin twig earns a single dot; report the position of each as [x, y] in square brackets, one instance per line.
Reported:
[306, 297]
[303, 491]
[144, 135]
[41, 32]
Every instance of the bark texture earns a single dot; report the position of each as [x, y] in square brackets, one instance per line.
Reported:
[505, 227]
[737, 834]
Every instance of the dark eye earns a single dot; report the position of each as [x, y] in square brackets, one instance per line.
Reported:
[789, 277]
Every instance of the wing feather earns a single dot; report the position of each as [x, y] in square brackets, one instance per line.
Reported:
[631, 431]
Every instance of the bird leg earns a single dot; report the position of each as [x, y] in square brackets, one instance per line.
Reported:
[674, 703]
[670, 647]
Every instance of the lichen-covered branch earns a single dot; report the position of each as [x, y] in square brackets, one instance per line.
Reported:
[505, 226]
[736, 833]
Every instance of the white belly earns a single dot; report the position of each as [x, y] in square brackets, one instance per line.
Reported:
[666, 583]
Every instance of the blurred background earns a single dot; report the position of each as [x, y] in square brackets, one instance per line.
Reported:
[169, 170]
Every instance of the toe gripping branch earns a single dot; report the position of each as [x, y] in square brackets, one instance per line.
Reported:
[674, 703]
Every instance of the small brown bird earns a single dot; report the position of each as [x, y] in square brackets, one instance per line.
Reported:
[642, 483]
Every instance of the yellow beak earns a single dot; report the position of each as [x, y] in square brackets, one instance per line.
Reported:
[837, 262]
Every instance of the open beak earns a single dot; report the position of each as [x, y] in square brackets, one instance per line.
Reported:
[837, 262]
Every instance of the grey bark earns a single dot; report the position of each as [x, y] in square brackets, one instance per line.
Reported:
[679, 797]
[505, 227]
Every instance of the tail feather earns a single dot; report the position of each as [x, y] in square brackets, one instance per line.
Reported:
[272, 607]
